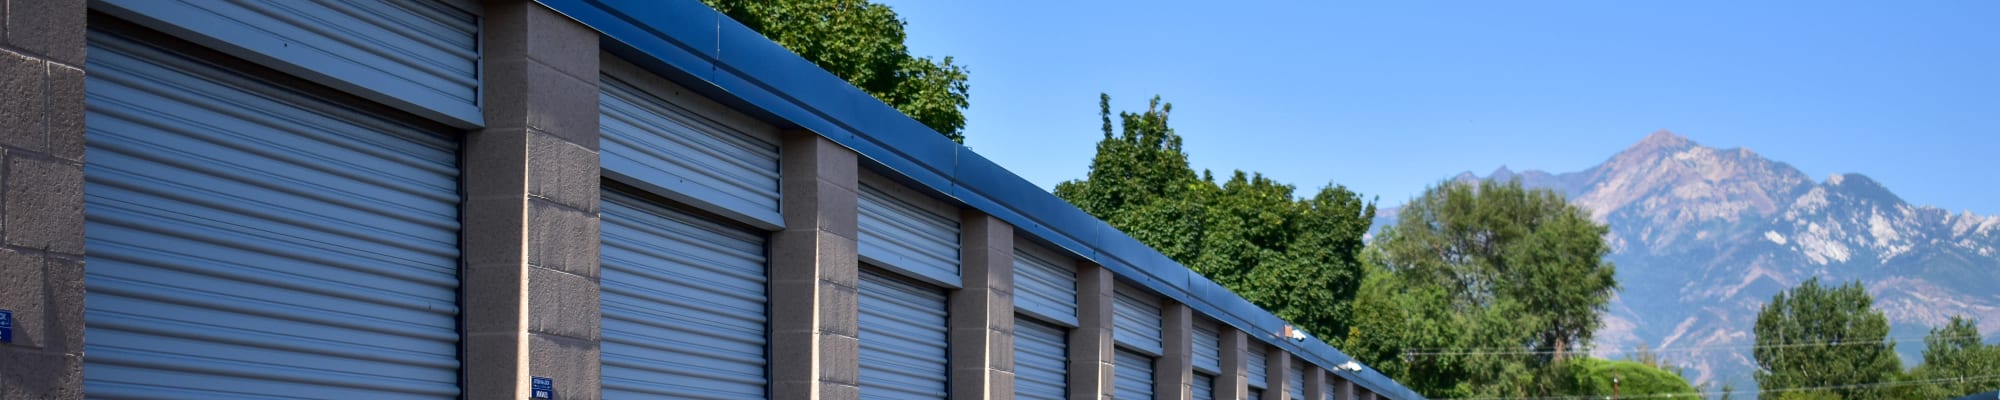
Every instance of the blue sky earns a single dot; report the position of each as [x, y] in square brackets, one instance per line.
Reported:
[1387, 97]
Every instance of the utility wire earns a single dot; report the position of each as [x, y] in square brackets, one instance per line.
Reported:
[1683, 349]
[1740, 392]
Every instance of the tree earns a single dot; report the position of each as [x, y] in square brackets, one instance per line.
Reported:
[1491, 242]
[1596, 378]
[1956, 363]
[1297, 257]
[1814, 340]
[862, 42]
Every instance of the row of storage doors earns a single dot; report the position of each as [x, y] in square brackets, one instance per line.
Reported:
[249, 239]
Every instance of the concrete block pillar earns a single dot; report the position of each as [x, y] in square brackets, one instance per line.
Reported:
[1343, 388]
[1091, 351]
[1279, 366]
[815, 274]
[1173, 375]
[1316, 387]
[1234, 383]
[41, 147]
[531, 208]
[982, 313]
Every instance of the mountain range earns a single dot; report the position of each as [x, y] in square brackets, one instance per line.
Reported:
[1703, 237]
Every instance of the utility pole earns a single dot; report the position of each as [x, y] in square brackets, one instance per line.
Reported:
[1614, 382]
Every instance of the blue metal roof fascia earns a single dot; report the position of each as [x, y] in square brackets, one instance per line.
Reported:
[705, 51]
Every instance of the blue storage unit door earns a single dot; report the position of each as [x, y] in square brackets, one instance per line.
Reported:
[684, 304]
[1204, 387]
[670, 141]
[1041, 360]
[1207, 346]
[1295, 380]
[1257, 358]
[1044, 288]
[904, 354]
[897, 234]
[1135, 319]
[248, 240]
[1133, 375]
[1255, 393]
[418, 55]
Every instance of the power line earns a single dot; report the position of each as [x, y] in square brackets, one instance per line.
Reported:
[1679, 350]
[1740, 392]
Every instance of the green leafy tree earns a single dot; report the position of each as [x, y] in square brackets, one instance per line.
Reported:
[1489, 242]
[1596, 378]
[1297, 257]
[862, 42]
[1815, 339]
[1956, 363]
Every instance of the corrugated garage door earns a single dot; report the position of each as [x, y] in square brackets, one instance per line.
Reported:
[1295, 380]
[1133, 374]
[1044, 288]
[1207, 347]
[900, 235]
[1204, 386]
[248, 241]
[418, 55]
[1136, 320]
[1041, 360]
[683, 304]
[704, 157]
[903, 333]
[1257, 357]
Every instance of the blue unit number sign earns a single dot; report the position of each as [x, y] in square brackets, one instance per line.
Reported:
[544, 388]
[6, 326]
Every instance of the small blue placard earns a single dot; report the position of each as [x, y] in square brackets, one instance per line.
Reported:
[544, 388]
[6, 326]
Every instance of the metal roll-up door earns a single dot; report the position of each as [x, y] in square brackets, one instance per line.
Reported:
[1255, 393]
[683, 304]
[902, 236]
[250, 241]
[1041, 360]
[1256, 364]
[664, 146]
[1136, 321]
[1207, 347]
[1204, 387]
[1044, 288]
[1133, 375]
[1295, 379]
[903, 333]
[420, 56]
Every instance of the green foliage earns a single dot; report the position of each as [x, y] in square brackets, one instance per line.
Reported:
[862, 42]
[1815, 336]
[1596, 378]
[1294, 256]
[1509, 277]
[1956, 363]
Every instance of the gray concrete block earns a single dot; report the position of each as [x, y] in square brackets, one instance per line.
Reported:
[44, 200]
[563, 172]
[492, 230]
[820, 205]
[839, 259]
[563, 238]
[575, 365]
[35, 374]
[562, 43]
[492, 365]
[25, 295]
[563, 304]
[51, 28]
[504, 99]
[496, 162]
[65, 112]
[561, 104]
[834, 391]
[806, 155]
[1001, 345]
[794, 306]
[23, 102]
[839, 309]
[494, 295]
[64, 286]
[839, 359]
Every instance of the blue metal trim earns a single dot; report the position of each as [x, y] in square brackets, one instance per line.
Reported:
[705, 51]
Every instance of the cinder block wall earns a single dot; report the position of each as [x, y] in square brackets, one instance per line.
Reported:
[41, 197]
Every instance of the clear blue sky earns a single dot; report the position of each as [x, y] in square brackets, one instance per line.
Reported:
[1387, 97]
